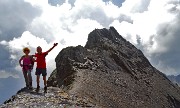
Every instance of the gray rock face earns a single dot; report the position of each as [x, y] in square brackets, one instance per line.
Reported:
[112, 73]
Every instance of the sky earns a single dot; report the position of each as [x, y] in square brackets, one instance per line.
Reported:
[151, 25]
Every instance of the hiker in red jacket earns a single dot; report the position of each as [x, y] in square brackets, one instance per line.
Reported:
[41, 66]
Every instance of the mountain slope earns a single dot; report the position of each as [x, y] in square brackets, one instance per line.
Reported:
[111, 72]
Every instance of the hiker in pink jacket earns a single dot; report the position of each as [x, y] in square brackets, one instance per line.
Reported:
[27, 62]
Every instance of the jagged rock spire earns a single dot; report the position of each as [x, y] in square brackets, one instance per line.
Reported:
[99, 36]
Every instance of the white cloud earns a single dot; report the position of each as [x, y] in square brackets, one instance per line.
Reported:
[4, 42]
[69, 25]
[26, 40]
[166, 69]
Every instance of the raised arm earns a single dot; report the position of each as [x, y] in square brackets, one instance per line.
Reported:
[55, 44]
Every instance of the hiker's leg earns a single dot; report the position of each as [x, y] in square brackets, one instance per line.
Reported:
[45, 82]
[26, 78]
[44, 73]
[37, 80]
[29, 78]
[38, 73]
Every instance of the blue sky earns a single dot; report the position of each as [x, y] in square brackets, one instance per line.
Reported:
[151, 25]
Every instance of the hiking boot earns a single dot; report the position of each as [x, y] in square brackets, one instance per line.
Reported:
[27, 86]
[45, 89]
[37, 89]
[30, 86]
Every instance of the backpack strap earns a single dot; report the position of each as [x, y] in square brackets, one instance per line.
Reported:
[32, 62]
[23, 56]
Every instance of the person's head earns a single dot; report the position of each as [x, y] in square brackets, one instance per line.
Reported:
[39, 49]
[26, 50]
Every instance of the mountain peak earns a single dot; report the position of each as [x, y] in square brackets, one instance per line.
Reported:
[110, 72]
[99, 36]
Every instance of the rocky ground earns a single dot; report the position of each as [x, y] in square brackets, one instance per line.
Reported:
[54, 98]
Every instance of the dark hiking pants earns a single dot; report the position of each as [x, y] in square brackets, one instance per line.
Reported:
[27, 77]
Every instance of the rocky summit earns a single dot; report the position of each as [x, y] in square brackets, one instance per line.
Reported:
[108, 72]
[55, 98]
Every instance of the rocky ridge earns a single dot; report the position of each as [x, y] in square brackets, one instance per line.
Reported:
[109, 72]
[112, 72]
[54, 98]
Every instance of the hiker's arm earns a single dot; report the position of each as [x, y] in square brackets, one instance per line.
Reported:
[34, 60]
[20, 61]
[55, 44]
